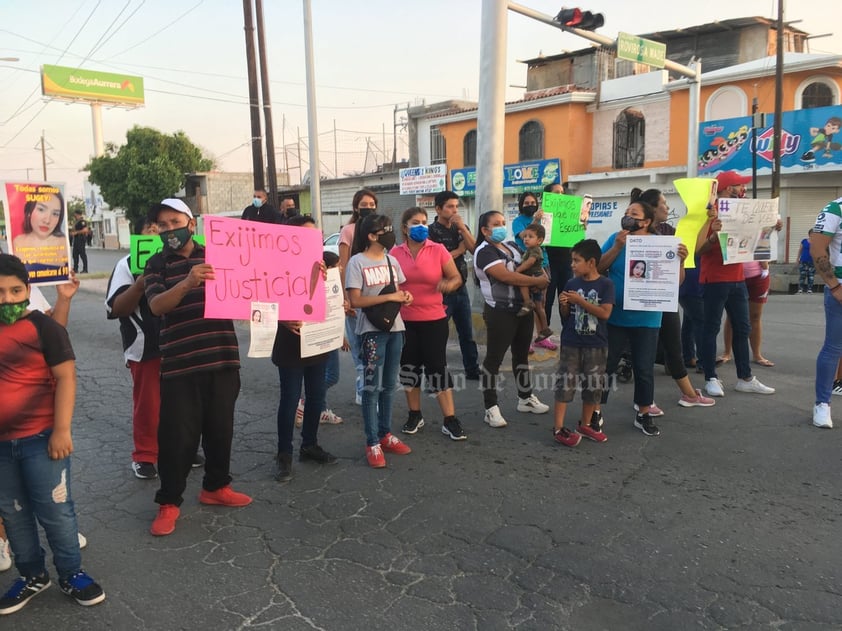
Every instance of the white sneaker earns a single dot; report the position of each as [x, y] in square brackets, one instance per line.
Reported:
[82, 541]
[753, 386]
[714, 388]
[5, 556]
[494, 418]
[821, 416]
[532, 404]
[330, 417]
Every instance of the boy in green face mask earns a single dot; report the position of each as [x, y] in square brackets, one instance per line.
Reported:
[38, 372]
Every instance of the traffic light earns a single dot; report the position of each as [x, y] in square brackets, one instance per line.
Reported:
[576, 18]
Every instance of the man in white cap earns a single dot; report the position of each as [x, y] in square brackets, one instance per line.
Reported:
[200, 369]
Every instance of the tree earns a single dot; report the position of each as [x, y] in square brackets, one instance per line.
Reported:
[150, 167]
[75, 203]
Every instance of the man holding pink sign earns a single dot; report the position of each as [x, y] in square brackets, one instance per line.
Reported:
[200, 369]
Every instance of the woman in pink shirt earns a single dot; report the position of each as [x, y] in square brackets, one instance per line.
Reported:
[430, 272]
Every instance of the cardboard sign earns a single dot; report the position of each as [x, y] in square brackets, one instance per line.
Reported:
[562, 219]
[261, 262]
[143, 246]
[696, 193]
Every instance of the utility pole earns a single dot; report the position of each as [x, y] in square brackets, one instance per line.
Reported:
[254, 101]
[43, 156]
[271, 171]
[779, 101]
[754, 117]
[491, 117]
[312, 122]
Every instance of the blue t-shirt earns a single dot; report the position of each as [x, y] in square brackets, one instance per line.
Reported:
[518, 224]
[806, 257]
[619, 316]
[583, 329]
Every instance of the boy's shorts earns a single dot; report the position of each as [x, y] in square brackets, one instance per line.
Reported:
[580, 369]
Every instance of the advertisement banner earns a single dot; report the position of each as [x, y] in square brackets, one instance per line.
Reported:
[36, 230]
[423, 180]
[262, 262]
[521, 177]
[811, 140]
[90, 85]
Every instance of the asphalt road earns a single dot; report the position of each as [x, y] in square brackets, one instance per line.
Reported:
[728, 520]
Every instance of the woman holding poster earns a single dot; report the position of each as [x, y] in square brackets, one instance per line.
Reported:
[637, 330]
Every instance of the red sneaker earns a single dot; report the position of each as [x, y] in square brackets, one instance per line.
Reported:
[226, 496]
[565, 437]
[594, 435]
[164, 523]
[375, 457]
[394, 445]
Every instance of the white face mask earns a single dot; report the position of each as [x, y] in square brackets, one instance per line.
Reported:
[257, 202]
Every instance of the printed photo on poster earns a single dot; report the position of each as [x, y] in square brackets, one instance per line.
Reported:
[262, 328]
[36, 230]
[748, 230]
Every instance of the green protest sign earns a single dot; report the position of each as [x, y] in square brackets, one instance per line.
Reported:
[144, 246]
[562, 220]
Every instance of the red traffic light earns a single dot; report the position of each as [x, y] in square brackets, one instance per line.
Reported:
[576, 18]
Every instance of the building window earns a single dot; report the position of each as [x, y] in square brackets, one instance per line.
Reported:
[438, 148]
[629, 139]
[531, 141]
[469, 149]
[816, 95]
[726, 102]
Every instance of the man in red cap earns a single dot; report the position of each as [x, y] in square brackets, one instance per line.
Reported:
[724, 290]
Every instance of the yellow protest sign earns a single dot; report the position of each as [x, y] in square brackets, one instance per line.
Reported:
[696, 194]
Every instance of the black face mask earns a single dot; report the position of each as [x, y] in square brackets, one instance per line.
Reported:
[387, 240]
[529, 210]
[292, 212]
[365, 212]
[629, 223]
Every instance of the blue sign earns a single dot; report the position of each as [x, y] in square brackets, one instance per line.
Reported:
[518, 178]
[811, 140]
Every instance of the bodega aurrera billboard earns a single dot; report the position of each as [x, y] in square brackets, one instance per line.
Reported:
[91, 85]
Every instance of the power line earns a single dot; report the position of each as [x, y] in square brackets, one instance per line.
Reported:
[162, 29]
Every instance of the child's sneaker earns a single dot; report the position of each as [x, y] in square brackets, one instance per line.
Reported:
[597, 420]
[21, 591]
[5, 556]
[82, 588]
[375, 457]
[567, 438]
[394, 445]
[526, 309]
[596, 436]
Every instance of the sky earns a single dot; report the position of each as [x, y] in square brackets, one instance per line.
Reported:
[370, 56]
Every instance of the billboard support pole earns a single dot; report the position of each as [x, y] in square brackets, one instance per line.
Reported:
[96, 119]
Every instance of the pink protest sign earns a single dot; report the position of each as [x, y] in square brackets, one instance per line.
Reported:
[259, 262]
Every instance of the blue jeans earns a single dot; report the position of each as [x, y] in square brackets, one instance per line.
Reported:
[381, 355]
[692, 327]
[458, 306]
[831, 349]
[314, 402]
[354, 341]
[332, 369]
[732, 298]
[642, 343]
[34, 486]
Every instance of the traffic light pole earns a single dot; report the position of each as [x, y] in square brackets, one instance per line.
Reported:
[693, 74]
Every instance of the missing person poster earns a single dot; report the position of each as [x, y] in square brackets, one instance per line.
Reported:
[653, 273]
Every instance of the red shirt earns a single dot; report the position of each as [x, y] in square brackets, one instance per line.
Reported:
[28, 350]
[423, 274]
[712, 269]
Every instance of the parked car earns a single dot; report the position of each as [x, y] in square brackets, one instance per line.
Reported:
[332, 243]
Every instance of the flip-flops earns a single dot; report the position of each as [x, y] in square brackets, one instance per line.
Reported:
[764, 362]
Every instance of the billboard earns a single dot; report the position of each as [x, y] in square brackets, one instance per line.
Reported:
[423, 180]
[811, 140]
[518, 178]
[90, 85]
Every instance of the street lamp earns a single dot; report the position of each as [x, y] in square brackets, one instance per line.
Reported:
[9, 59]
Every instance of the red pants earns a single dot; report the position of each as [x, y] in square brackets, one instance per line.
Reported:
[146, 397]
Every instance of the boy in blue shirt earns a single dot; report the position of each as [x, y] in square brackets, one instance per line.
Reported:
[586, 304]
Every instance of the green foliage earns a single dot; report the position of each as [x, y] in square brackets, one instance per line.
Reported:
[150, 167]
[75, 203]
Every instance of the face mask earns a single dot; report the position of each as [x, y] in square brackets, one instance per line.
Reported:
[176, 239]
[629, 223]
[529, 210]
[387, 240]
[11, 312]
[257, 202]
[365, 212]
[419, 233]
[292, 212]
[498, 234]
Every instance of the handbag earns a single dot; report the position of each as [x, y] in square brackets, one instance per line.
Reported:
[382, 316]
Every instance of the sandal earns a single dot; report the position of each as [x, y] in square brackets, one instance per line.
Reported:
[723, 359]
[764, 362]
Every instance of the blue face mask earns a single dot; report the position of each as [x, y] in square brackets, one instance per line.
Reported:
[257, 202]
[498, 234]
[419, 233]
